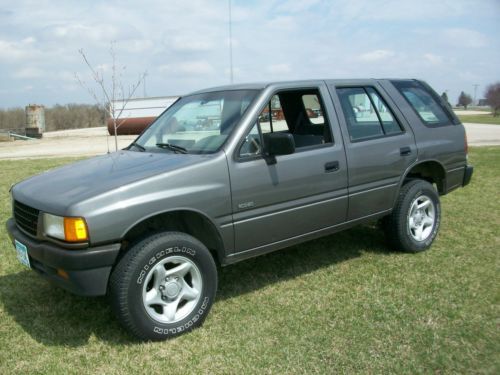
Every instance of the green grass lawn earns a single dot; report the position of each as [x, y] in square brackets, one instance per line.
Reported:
[480, 119]
[341, 304]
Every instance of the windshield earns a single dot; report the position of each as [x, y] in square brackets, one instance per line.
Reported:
[197, 123]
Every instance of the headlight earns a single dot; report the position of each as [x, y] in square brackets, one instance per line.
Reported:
[70, 229]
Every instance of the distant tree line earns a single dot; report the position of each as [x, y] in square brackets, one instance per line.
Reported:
[491, 95]
[58, 117]
[12, 118]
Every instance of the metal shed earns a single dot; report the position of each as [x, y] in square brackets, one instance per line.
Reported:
[137, 114]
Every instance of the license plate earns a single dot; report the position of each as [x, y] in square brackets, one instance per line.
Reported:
[22, 253]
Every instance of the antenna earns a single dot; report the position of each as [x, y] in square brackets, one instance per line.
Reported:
[231, 77]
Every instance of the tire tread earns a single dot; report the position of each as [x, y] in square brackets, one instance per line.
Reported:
[122, 273]
[395, 224]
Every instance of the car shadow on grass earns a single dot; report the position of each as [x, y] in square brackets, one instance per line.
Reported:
[55, 317]
[253, 274]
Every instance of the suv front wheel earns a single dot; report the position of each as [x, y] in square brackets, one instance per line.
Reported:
[163, 286]
[414, 222]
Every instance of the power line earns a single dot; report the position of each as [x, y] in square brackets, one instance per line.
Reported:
[475, 91]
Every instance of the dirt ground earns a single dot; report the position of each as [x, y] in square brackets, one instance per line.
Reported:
[77, 142]
[94, 141]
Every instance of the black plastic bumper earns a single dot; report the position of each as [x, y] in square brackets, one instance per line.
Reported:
[87, 270]
[468, 174]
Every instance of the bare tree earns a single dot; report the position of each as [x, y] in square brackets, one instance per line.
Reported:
[112, 92]
[492, 95]
[464, 99]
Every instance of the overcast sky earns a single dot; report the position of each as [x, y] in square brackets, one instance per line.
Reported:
[183, 45]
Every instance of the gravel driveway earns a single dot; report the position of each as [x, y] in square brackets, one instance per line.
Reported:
[482, 134]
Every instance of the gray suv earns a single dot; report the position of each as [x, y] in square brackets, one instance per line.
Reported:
[276, 165]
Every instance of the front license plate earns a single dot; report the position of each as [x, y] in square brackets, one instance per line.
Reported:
[22, 253]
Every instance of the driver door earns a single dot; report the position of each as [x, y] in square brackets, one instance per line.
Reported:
[302, 192]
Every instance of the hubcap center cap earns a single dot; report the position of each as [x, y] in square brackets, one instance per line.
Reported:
[172, 289]
[419, 216]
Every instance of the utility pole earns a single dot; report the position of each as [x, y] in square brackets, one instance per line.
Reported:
[230, 45]
[475, 91]
[145, 75]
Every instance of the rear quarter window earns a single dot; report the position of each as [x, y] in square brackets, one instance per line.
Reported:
[428, 108]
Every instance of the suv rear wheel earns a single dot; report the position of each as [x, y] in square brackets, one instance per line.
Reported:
[414, 222]
[163, 286]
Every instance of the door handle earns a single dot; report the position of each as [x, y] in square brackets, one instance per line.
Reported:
[332, 166]
[405, 151]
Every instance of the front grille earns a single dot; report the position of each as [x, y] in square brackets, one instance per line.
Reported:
[26, 217]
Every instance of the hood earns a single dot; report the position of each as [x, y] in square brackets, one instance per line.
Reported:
[55, 190]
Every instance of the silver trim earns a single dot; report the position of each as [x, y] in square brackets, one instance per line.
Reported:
[373, 189]
[455, 169]
[288, 210]
[289, 239]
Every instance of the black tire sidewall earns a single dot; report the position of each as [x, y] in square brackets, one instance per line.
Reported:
[153, 250]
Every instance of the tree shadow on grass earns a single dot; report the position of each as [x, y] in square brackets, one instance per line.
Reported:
[55, 317]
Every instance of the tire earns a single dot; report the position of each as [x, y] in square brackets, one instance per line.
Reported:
[163, 286]
[414, 222]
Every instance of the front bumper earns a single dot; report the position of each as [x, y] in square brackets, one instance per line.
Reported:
[87, 270]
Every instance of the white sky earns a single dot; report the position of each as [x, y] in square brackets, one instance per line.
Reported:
[183, 45]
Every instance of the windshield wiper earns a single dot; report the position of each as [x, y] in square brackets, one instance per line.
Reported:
[172, 147]
[142, 148]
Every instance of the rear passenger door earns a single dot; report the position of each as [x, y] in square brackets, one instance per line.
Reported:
[300, 193]
[380, 146]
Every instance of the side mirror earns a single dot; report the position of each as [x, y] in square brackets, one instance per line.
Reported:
[278, 144]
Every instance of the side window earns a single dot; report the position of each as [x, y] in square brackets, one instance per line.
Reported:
[366, 113]
[312, 106]
[298, 112]
[252, 144]
[389, 123]
[271, 118]
[428, 108]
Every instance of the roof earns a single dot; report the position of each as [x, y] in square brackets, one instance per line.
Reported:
[238, 86]
[263, 85]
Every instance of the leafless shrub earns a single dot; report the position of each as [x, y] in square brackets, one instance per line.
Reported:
[107, 94]
[492, 95]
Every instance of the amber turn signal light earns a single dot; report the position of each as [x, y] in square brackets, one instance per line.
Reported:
[62, 273]
[75, 229]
